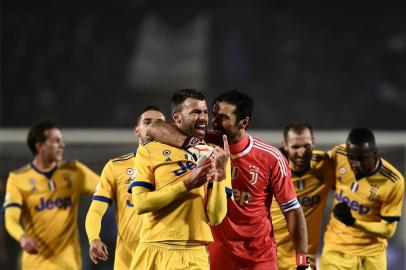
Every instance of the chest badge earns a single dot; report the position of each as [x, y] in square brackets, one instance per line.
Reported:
[372, 193]
[33, 183]
[254, 171]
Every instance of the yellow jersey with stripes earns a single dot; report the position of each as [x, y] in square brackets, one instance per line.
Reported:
[376, 197]
[49, 202]
[185, 220]
[112, 187]
[312, 188]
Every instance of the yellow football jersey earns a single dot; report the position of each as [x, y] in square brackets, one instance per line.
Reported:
[49, 203]
[184, 220]
[113, 185]
[312, 189]
[372, 198]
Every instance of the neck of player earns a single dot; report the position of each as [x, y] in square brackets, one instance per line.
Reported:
[43, 164]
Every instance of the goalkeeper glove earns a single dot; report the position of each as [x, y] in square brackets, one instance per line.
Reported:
[189, 145]
[342, 212]
[302, 262]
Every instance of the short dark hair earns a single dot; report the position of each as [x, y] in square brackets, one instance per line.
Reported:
[37, 134]
[181, 95]
[243, 103]
[146, 108]
[360, 136]
[297, 127]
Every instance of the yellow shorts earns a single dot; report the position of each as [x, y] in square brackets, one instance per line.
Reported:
[124, 254]
[336, 260]
[152, 256]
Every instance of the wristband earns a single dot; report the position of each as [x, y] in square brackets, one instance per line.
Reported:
[302, 259]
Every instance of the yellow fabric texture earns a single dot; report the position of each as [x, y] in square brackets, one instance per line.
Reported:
[171, 212]
[49, 205]
[371, 199]
[337, 260]
[150, 256]
[12, 222]
[113, 186]
[312, 189]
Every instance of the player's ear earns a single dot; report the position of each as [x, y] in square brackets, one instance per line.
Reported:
[137, 131]
[38, 146]
[285, 146]
[244, 123]
[177, 117]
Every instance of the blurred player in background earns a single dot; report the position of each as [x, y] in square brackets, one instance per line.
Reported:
[367, 205]
[313, 177]
[174, 194]
[113, 185]
[46, 194]
[244, 240]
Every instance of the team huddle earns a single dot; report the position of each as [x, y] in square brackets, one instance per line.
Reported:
[190, 198]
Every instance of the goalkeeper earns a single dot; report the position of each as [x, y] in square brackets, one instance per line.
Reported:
[367, 206]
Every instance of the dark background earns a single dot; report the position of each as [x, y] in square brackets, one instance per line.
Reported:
[95, 64]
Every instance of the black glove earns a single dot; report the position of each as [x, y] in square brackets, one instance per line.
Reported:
[343, 213]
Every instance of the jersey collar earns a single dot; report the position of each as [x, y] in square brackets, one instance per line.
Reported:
[242, 147]
[47, 174]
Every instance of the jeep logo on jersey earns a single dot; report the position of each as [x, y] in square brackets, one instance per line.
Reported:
[184, 167]
[354, 205]
[309, 201]
[51, 204]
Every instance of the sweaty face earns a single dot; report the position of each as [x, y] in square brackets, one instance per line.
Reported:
[299, 147]
[225, 120]
[362, 158]
[193, 117]
[146, 119]
[52, 148]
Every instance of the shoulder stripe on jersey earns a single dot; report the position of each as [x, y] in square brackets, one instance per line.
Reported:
[102, 199]
[390, 219]
[229, 191]
[141, 184]
[390, 172]
[12, 205]
[125, 157]
[342, 152]
[276, 153]
[390, 177]
[292, 204]
[342, 148]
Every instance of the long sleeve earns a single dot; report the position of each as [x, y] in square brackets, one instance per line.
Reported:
[217, 204]
[94, 218]
[382, 229]
[149, 201]
[12, 222]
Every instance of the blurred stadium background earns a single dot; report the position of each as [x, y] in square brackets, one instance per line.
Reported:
[95, 65]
